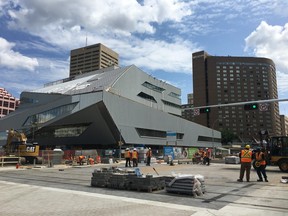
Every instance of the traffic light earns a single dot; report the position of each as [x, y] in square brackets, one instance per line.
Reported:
[205, 110]
[252, 106]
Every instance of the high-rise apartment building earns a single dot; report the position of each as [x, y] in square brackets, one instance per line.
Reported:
[8, 103]
[225, 80]
[284, 125]
[92, 58]
[187, 109]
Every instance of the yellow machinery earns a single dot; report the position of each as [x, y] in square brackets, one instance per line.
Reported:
[278, 152]
[16, 145]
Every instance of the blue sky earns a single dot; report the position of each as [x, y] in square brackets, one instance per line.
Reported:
[158, 36]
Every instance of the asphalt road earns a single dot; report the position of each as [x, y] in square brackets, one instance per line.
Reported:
[224, 196]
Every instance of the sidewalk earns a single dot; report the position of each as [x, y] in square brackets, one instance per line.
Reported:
[225, 196]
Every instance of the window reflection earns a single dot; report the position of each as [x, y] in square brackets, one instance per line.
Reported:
[48, 115]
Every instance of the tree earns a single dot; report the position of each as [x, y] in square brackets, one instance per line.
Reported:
[227, 136]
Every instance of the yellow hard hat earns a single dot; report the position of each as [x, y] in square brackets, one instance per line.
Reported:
[247, 146]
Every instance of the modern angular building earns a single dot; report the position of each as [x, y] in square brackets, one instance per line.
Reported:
[92, 58]
[226, 79]
[8, 103]
[97, 110]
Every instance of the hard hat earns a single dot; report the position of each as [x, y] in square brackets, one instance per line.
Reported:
[247, 146]
[149, 148]
[206, 148]
[127, 149]
[134, 149]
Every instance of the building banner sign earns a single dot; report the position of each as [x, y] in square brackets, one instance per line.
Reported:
[168, 150]
[191, 152]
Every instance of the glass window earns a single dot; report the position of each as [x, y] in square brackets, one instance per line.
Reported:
[173, 94]
[5, 104]
[153, 87]
[49, 115]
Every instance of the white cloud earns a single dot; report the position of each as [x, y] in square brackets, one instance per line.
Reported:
[47, 18]
[151, 54]
[23, 80]
[272, 42]
[14, 60]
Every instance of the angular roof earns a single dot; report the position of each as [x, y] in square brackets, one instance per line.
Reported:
[93, 81]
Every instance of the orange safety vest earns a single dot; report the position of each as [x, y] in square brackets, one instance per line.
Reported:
[134, 155]
[246, 156]
[149, 153]
[259, 157]
[127, 154]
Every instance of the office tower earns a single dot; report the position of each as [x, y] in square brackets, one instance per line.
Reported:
[284, 125]
[225, 80]
[187, 109]
[8, 103]
[92, 58]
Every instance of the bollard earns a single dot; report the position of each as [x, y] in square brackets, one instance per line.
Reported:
[17, 165]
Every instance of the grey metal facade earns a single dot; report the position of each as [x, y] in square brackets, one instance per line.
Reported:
[97, 110]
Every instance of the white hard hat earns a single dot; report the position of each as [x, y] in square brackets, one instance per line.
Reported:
[149, 148]
[127, 149]
[134, 149]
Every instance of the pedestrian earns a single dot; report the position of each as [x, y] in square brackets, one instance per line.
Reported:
[135, 157]
[260, 165]
[148, 156]
[127, 156]
[81, 159]
[197, 157]
[245, 159]
[202, 156]
[207, 156]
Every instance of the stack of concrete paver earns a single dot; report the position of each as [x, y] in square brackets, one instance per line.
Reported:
[187, 184]
[145, 183]
[100, 177]
[117, 181]
[126, 179]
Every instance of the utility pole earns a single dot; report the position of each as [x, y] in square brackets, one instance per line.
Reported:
[120, 144]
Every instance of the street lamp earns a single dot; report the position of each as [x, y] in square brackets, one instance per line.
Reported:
[213, 145]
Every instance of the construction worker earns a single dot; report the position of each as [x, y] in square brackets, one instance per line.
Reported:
[207, 155]
[135, 157]
[245, 159]
[148, 156]
[261, 165]
[127, 156]
[197, 157]
[91, 161]
[81, 159]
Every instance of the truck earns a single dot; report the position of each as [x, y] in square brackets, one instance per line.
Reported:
[277, 150]
[16, 145]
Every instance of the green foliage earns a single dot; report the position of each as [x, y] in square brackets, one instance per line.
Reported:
[227, 136]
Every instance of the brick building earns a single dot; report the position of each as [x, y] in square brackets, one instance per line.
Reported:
[228, 79]
[8, 103]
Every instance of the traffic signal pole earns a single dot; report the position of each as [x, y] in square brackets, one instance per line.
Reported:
[240, 103]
